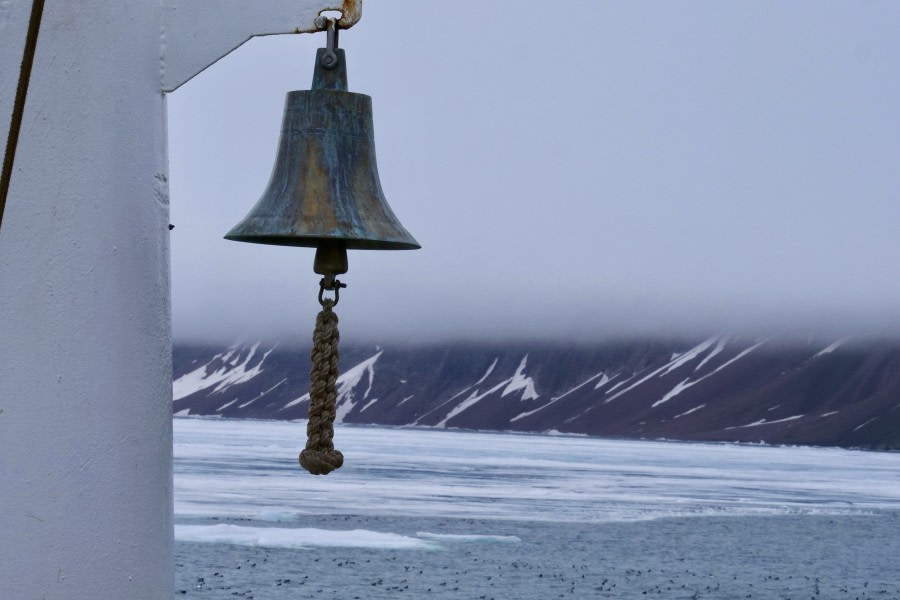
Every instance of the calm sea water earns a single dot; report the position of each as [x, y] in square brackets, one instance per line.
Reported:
[451, 514]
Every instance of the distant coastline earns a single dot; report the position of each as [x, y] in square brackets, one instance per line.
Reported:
[720, 389]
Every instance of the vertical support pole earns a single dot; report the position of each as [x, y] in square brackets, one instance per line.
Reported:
[85, 348]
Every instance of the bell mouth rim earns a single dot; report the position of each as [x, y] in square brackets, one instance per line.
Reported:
[300, 93]
[316, 241]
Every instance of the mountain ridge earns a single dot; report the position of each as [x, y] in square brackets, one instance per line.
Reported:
[722, 388]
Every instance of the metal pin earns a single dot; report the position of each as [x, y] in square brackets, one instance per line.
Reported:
[329, 58]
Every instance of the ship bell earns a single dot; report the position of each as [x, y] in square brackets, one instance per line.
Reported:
[324, 190]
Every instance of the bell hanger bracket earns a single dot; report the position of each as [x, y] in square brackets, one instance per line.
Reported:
[329, 59]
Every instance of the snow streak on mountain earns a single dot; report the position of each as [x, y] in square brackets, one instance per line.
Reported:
[721, 388]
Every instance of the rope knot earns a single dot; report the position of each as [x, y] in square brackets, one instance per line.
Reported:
[319, 462]
[319, 457]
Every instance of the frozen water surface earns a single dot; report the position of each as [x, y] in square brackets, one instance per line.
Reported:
[437, 513]
[234, 468]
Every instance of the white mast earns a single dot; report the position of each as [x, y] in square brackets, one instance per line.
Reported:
[85, 335]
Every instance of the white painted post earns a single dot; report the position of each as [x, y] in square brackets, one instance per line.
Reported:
[85, 336]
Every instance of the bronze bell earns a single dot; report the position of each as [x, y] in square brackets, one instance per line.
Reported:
[324, 190]
[324, 193]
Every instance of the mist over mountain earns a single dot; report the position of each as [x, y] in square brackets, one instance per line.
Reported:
[687, 171]
[722, 388]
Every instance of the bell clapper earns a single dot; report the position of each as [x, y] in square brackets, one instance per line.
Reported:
[330, 261]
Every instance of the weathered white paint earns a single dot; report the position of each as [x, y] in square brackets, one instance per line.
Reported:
[85, 342]
[195, 35]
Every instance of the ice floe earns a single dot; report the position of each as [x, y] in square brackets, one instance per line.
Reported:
[289, 537]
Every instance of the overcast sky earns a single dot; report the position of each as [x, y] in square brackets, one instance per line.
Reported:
[611, 168]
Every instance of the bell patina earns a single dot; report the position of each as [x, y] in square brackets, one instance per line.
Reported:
[324, 188]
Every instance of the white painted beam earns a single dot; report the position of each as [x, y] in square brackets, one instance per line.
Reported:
[195, 36]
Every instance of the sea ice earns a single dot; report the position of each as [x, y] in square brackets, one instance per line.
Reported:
[247, 469]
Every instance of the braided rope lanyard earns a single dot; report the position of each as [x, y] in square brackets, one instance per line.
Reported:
[319, 457]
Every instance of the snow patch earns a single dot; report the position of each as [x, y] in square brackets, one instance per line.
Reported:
[487, 373]
[553, 400]
[226, 405]
[461, 392]
[603, 381]
[249, 402]
[515, 383]
[687, 412]
[472, 399]
[296, 401]
[719, 347]
[738, 357]
[680, 387]
[686, 384]
[520, 382]
[858, 427]
[368, 404]
[626, 380]
[667, 368]
[831, 348]
[765, 422]
[346, 384]
[231, 373]
[349, 381]
[689, 355]
[227, 356]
